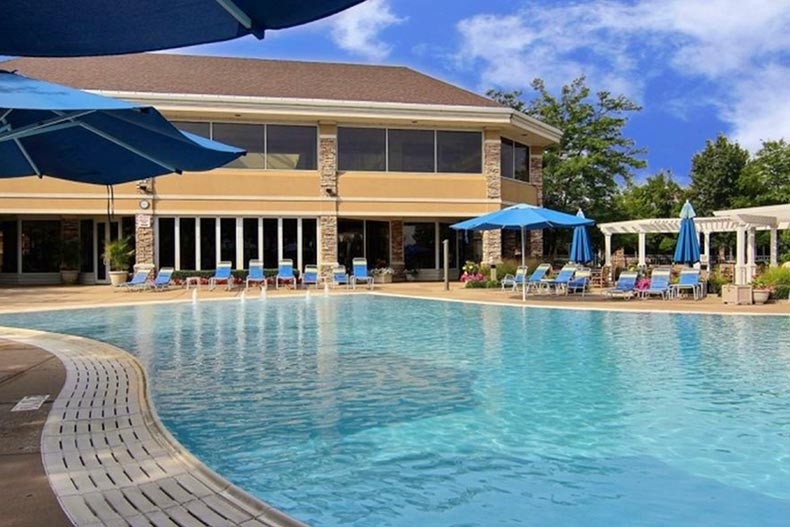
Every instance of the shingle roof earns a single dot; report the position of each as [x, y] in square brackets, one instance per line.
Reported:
[163, 73]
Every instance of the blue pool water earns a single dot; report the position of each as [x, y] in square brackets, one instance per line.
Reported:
[378, 411]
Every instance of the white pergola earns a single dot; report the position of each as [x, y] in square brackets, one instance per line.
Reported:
[743, 222]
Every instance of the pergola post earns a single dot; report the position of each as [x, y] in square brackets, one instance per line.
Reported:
[774, 249]
[751, 263]
[642, 250]
[740, 267]
[607, 248]
[706, 249]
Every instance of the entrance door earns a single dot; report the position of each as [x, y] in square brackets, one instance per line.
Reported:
[105, 232]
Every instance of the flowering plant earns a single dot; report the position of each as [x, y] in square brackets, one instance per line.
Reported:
[470, 268]
[378, 271]
[472, 277]
[761, 284]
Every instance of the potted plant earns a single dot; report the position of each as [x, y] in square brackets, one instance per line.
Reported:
[70, 261]
[118, 256]
[761, 290]
[411, 274]
[382, 275]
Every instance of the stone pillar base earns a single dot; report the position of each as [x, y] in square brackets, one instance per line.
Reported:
[492, 246]
[536, 244]
[327, 257]
[144, 239]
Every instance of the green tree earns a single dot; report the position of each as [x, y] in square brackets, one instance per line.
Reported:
[660, 196]
[765, 180]
[715, 172]
[593, 157]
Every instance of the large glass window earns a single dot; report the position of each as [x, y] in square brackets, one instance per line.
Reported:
[291, 147]
[361, 149]
[446, 233]
[208, 243]
[86, 246]
[186, 242]
[459, 152]
[419, 245]
[167, 242]
[193, 127]
[515, 160]
[270, 243]
[227, 240]
[290, 239]
[41, 246]
[411, 151]
[250, 238]
[350, 241]
[377, 243]
[250, 137]
[8, 246]
[309, 242]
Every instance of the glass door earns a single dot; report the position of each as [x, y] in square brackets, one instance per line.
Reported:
[105, 232]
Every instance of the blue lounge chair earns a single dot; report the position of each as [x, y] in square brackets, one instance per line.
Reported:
[162, 280]
[625, 286]
[580, 282]
[285, 273]
[339, 276]
[139, 278]
[222, 276]
[255, 276]
[514, 281]
[537, 275]
[310, 276]
[659, 283]
[360, 266]
[560, 282]
[689, 281]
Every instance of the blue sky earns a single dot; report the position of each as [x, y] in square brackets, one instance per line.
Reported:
[698, 67]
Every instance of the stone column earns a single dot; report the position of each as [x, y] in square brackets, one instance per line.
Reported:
[397, 260]
[327, 160]
[327, 221]
[492, 170]
[327, 234]
[536, 179]
[144, 238]
[774, 248]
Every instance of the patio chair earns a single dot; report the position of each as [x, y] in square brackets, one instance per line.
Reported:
[625, 286]
[285, 273]
[222, 275]
[659, 283]
[360, 268]
[339, 276]
[139, 278]
[537, 275]
[580, 282]
[689, 281]
[514, 281]
[162, 280]
[560, 282]
[255, 276]
[310, 276]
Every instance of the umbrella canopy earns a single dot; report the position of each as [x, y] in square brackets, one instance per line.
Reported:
[523, 217]
[581, 248]
[54, 130]
[72, 28]
[687, 249]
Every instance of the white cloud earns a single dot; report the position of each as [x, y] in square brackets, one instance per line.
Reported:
[358, 29]
[739, 50]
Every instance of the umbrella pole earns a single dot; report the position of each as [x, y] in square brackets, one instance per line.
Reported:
[523, 260]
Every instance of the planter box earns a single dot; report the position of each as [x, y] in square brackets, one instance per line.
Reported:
[736, 294]
[383, 279]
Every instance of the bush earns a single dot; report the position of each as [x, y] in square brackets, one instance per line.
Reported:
[777, 279]
[715, 282]
[483, 284]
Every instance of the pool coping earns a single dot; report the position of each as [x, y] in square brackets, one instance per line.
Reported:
[111, 461]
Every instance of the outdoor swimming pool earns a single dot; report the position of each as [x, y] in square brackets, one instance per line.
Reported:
[377, 411]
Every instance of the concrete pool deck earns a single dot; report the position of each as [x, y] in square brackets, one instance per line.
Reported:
[178, 487]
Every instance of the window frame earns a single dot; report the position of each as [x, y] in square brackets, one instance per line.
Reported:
[512, 175]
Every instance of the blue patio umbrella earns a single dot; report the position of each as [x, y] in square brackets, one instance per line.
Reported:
[687, 249]
[581, 248]
[72, 28]
[53, 130]
[522, 217]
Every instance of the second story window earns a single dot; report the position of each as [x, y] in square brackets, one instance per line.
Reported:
[291, 147]
[515, 160]
[459, 152]
[363, 149]
[250, 137]
[411, 151]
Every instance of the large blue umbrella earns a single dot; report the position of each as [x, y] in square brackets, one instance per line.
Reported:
[71, 28]
[523, 217]
[687, 249]
[53, 130]
[581, 248]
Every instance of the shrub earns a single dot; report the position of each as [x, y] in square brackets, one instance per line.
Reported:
[715, 282]
[777, 279]
[482, 284]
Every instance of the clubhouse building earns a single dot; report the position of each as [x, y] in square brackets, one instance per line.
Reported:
[343, 161]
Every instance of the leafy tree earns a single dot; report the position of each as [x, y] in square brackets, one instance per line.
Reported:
[766, 178]
[715, 172]
[593, 158]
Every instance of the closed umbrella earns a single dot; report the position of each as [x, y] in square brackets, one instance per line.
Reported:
[74, 28]
[687, 250]
[53, 130]
[581, 248]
